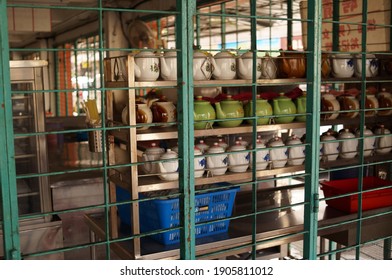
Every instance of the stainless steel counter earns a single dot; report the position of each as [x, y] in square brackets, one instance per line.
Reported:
[76, 191]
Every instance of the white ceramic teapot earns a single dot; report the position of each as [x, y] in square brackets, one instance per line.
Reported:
[371, 65]
[269, 67]
[202, 65]
[369, 142]
[329, 148]
[342, 65]
[296, 155]
[169, 65]
[383, 143]
[217, 163]
[348, 147]
[262, 156]
[153, 152]
[199, 163]
[225, 67]
[168, 170]
[244, 66]
[278, 156]
[238, 162]
[146, 66]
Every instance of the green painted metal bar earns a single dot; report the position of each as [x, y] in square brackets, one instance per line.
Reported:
[312, 128]
[8, 188]
[106, 164]
[362, 124]
[223, 25]
[236, 24]
[387, 254]
[184, 42]
[335, 25]
[56, 81]
[253, 44]
[197, 30]
[100, 41]
[289, 23]
[76, 76]
[209, 29]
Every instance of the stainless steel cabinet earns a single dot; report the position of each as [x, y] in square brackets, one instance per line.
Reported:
[28, 79]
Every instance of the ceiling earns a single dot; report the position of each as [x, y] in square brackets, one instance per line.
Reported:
[66, 15]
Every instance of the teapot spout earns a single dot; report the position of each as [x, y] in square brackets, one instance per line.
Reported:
[151, 101]
[276, 106]
[241, 66]
[147, 165]
[162, 170]
[219, 112]
[165, 71]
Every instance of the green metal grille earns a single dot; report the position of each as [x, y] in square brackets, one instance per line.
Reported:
[274, 207]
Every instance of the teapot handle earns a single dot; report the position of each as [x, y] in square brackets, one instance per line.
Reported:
[375, 63]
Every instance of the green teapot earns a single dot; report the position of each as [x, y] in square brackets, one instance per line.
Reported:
[203, 111]
[229, 109]
[263, 108]
[283, 105]
[301, 107]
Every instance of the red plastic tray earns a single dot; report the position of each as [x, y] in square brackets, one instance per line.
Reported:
[349, 204]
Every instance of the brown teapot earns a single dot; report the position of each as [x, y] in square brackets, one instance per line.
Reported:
[348, 103]
[164, 112]
[325, 65]
[292, 64]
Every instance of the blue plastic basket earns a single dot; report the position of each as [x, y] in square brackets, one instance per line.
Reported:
[165, 213]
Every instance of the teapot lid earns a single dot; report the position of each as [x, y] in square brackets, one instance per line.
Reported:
[171, 53]
[199, 99]
[237, 146]
[197, 151]
[366, 131]
[200, 53]
[345, 133]
[248, 54]
[282, 96]
[169, 154]
[145, 53]
[327, 136]
[224, 54]
[259, 144]
[384, 90]
[275, 141]
[382, 130]
[294, 139]
[216, 148]
[229, 98]
[220, 140]
[153, 148]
